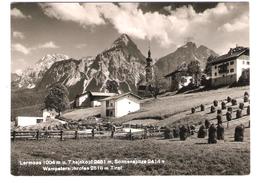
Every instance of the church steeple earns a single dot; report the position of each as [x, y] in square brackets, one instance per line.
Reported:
[149, 53]
[148, 67]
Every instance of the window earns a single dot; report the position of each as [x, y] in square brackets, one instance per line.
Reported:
[247, 63]
[232, 62]
[215, 67]
[215, 73]
[231, 70]
[111, 113]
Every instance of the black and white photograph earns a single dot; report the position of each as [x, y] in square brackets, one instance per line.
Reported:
[129, 88]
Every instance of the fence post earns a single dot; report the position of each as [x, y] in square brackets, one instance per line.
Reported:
[61, 135]
[93, 133]
[76, 134]
[130, 134]
[145, 133]
[37, 135]
[14, 133]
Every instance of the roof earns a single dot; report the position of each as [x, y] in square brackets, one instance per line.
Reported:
[98, 94]
[231, 55]
[116, 97]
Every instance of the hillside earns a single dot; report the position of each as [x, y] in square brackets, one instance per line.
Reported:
[169, 109]
[184, 55]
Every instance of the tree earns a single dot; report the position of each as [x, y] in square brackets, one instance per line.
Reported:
[208, 65]
[57, 98]
[156, 84]
[112, 86]
[195, 71]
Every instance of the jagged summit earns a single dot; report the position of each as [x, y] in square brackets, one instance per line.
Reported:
[30, 76]
[122, 39]
[184, 55]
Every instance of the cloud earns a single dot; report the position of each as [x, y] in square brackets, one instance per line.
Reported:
[83, 45]
[226, 24]
[83, 14]
[26, 50]
[17, 34]
[16, 13]
[49, 44]
[21, 48]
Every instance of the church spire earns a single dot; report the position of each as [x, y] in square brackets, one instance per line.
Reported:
[148, 67]
[149, 50]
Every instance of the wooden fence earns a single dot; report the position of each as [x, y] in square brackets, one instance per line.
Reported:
[69, 134]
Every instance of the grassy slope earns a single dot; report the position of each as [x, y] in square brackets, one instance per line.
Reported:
[165, 107]
[191, 157]
[76, 114]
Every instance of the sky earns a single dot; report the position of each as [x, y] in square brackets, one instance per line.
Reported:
[86, 29]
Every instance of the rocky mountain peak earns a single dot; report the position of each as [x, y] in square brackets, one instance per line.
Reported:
[30, 76]
[184, 55]
[123, 40]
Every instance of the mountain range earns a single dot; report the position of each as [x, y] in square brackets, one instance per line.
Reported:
[184, 55]
[122, 64]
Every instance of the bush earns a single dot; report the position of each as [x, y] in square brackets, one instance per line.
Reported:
[239, 133]
[234, 102]
[207, 123]
[167, 133]
[193, 110]
[212, 109]
[219, 119]
[183, 133]
[229, 99]
[202, 107]
[248, 110]
[215, 103]
[220, 132]
[230, 109]
[176, 132]
[246, 98]
[239, 113]
[241, 106]
[202, 132]
[229, 116]
[212, 134]
[219, 111]
[223, 105]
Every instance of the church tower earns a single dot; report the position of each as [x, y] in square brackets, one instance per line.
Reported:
[148, 67]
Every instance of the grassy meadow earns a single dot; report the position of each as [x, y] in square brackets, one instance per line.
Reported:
[191, 157]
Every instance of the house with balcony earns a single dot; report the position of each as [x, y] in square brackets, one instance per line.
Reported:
[120, 105]
[227, 69]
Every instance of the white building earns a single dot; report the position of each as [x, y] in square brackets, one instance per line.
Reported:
[228, 68]
[91, 99]
[27, 120]
[120, 105]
